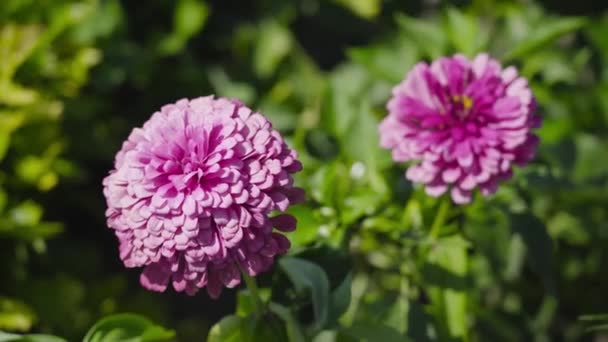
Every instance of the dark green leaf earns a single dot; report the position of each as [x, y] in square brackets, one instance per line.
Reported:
[294, 331]
[307, 276]
[340, 299]
[371, 332]
[539, 247]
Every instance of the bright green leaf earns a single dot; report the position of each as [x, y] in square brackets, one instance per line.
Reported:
[464, 32]
[226, 330]
[364, 8]
[545, 35]
[273, 45]
[122, 327]
[15, 315]
[428, 35]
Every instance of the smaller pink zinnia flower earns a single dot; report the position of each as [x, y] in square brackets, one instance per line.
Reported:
[192, 191]
[463, 123]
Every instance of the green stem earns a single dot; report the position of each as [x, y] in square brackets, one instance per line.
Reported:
[258, 307]
[442, 215]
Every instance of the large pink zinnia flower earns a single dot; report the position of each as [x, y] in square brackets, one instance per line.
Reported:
[463, 123]
[191, 193]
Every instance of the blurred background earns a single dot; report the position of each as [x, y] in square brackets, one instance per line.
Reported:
[77, 76]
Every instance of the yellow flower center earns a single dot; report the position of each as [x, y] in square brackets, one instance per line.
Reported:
[467, 102]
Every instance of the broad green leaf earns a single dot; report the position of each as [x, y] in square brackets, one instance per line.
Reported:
[307, 226]
[340, 299]
[389, 61]
[545, 35]
[272, 47]
[188, 19]
[27, 213]
[590, 149]
[396, 316]
[9, 121]
[127, 327]
[17, 42]
[371, 332]
[597, 32]
[361, 144]
[597, 317]
[226, 330]
[329, 185]
[418, 323]
[364, 8]
[294, 331]
[341, 108]
[15, 315]
[428, 36]
[307, 276]
[226, 87]
[600, 327]
[4, 337]
[245, 305]
[450, 262]
[464, 32]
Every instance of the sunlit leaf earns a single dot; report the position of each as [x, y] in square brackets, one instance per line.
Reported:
[122, 327]
[226, 330]
[544, 35]
[272, 46]
[428, 36]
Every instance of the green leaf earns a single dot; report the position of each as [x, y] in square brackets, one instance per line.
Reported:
[226, 87]
[370, 332]
[600, 327]
[307, 227]
[340, 299]
[449, 298]
[364, 8]
[388, 61]
[464, 32]
[538, 245]
[329, 184]
[131, 327]
[294, 331]
[6, 337]
[545, 35]
[307, 276]
[428, 36]
[273, 45]
[226, 330]
[15, 315]
[347, 84]
[189, 18]
[418, 323]
[598, 317]
[9, 122]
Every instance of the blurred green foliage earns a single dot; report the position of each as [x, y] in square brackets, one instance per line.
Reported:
[77, 75]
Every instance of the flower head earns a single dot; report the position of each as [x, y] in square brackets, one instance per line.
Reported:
[463, 123]
[192, 191]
